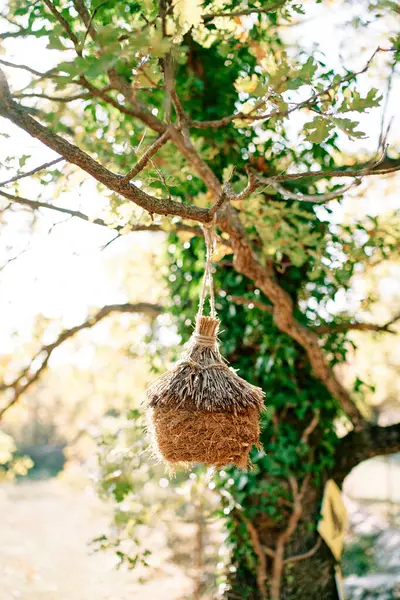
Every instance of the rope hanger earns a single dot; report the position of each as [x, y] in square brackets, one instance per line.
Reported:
[210, 238]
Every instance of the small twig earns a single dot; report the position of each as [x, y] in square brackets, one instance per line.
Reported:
[82, 96]
[223, 196]
[89, 24]
[252, 184]
[33, 371]
[113, 239]
[32, 172]
[172, 93]
[244, 12]
[252, 302]
[37, 205]
[260, 552]
[278, 564]
[307, 103]
[14, 258]
[228, 194]
[310, 428]
[305, 555]
[366, 169]
[314, 198]
[142, 162]
[63, 22]
[343, 327]
[162, 179]
[26, 68]
[386, 104]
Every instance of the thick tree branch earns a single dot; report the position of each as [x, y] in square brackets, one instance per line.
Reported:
[247, 263]
[76, 156]
[39, 362]
[358, 446]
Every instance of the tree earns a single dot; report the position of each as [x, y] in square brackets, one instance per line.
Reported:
[204, 92]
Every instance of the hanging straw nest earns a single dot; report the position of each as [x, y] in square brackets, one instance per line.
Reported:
[202, 411]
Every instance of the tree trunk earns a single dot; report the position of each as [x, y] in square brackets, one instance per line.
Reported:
[309, 578]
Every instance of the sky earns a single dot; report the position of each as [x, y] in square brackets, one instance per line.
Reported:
[64, 273]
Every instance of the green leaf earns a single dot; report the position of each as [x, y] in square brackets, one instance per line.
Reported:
[348, 127]
[307, 71]
[359, 104]
[317, 130]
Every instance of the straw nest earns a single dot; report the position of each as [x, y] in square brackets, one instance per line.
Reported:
[202, 411]
[212, 438]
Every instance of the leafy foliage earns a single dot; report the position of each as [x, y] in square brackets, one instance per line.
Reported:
[12, 465]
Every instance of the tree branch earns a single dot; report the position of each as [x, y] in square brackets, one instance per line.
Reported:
[244, 12]
[15, 34]
[26, 68]
[227, 219]
[182, 142]
[307, 103]
[279, 561]
[252, 302]
[247, 263]
[305, 555]
[358, 446]
[37, 205]
[32, 172]
[260, 551]
[82, 96]
[63, 22]
[343, 327]
[314, 198]
[150, 152]
[76, 156]
[32, 373]
[384, 167]
[310, 427]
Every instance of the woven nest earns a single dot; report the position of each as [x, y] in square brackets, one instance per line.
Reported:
[202, 411]
[212, 438]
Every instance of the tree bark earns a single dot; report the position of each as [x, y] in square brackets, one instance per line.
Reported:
[308, 564]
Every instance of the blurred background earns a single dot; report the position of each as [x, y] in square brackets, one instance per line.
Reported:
[68, 448]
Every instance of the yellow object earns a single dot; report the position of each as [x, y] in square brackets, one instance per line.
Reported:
[332, 526]
[339, 582]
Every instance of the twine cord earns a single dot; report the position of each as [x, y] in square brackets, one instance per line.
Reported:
[205, 340]
[209, 237]
[197, 365]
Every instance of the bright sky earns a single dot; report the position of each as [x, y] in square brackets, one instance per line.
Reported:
[63, 273]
